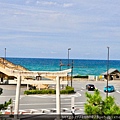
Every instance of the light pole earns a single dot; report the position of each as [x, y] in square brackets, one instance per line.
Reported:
[68, 57]
[71, 72]
[68, 64]
[5, 53]
[4, 57]
[107, 71]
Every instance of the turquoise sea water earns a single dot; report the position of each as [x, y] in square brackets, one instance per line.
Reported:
[80, 66]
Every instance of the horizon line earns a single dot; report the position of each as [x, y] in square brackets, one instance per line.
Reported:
[59, 58]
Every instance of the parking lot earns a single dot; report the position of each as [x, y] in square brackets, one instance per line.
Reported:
[48, 102]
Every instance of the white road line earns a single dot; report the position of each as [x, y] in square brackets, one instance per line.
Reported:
[79, 94]
[36, 104]
[68, 103]
[118, 91]
[64, 99]
[102, 91]
[21, 96]
[6, 96]
[54, 96]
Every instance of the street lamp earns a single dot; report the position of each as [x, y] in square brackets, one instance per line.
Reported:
[68, 64]
[107, 71]
[4, 57]
[5, 53]
[68, 56]
[71, 72]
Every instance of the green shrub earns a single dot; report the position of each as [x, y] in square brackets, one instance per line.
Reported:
[5, 105]
[80, 76]
[69, 87]
[49, 91]
[1, 106]
[68, 90]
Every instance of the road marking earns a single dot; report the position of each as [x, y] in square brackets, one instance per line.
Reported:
[82, 87]
[102, 91]
[6, 96]
[67, 99]
[68, 103]
[13, 96]
[54, 96]
[118, 91]
[79, 94]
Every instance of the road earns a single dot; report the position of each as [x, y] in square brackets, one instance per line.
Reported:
[48, 102]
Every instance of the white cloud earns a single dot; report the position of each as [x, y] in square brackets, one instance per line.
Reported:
[46, 3]
[27, 1]
[67, 4]
[75, 23]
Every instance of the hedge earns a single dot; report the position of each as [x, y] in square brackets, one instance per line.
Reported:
[80, 76]
[68, 90]
[49, 91]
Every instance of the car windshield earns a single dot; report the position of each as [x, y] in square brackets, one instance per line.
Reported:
[91, 85]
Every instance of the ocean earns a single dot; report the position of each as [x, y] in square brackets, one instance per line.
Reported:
[81, 67]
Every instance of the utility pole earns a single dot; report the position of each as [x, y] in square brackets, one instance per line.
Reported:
[71, 72]
[68, 65]
[68, 57]
[5, 53]
[107, 71]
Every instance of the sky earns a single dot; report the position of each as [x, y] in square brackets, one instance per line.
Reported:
[48, 28]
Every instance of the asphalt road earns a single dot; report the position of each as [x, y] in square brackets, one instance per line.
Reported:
[48, 102]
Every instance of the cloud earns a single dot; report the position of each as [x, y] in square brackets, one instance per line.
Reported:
[81, 24]
[55, 4]
[67, 4]
[45, 3]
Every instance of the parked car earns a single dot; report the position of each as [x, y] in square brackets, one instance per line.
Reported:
[110, 88]
[90, 87]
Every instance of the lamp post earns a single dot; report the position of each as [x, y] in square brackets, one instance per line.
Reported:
[68, 57]
[68, 64]
[5, 53]
[107, 71]
[4, 57]
[71, 72]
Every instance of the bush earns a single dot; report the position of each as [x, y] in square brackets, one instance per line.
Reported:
[1, 106]
[68, 90]
[49, 91]
[80, 76]
[96, 105]
[5, 105]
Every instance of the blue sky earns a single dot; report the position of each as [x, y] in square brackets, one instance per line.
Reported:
[47, 28]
